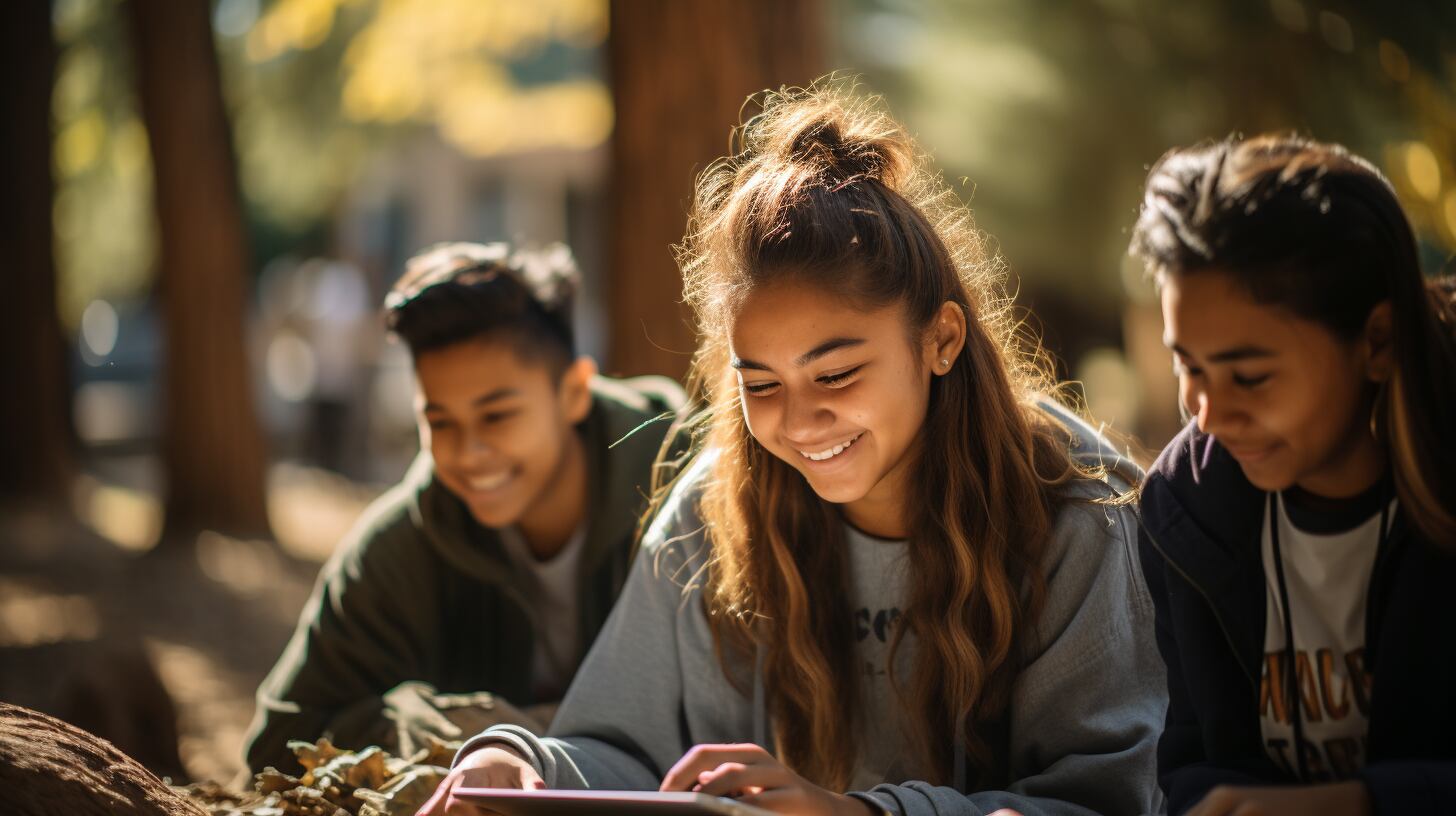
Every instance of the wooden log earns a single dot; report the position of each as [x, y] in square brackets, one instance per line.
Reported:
[49, 766]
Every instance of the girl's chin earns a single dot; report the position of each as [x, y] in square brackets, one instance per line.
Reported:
[838, 489]
[1267, 479]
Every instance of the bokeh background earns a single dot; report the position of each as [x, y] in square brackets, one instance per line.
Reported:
[208, 200]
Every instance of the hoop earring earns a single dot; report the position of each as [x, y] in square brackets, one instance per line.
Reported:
[1378, 409]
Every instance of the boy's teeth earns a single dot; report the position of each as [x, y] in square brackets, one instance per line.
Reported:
[490, 482]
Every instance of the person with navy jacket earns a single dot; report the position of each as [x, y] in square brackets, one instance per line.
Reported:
[1299, 535]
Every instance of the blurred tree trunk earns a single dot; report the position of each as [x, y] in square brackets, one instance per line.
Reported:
[212, 443]
[35, 414]
[680, 72]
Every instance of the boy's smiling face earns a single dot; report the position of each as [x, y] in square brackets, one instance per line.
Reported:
[501, 427]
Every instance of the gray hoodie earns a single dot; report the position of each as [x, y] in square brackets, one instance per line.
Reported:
[1083, 722]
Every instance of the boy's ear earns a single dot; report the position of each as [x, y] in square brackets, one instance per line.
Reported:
[1377, 343]
[575, 391]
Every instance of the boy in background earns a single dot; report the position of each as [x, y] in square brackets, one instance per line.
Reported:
[487, 572]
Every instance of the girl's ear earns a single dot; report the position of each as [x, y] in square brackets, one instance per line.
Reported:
[947, 337]
[1377, 343]
[575, 390]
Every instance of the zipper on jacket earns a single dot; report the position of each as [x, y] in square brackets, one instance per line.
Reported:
[1228, 638]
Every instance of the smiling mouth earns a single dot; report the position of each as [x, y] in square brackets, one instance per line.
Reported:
[494, 481]
[830, 453]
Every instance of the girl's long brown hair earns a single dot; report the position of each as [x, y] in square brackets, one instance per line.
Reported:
[1318, 230]
[825, 189]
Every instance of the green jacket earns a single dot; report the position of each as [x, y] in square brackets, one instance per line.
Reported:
[419, 591]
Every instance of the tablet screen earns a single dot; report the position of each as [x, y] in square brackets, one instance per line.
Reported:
[603, 803]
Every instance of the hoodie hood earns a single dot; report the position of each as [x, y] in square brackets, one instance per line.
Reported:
[1089, 448]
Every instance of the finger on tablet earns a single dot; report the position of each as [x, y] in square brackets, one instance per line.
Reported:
[706, 757]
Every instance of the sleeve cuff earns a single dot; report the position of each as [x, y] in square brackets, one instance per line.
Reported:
[879, 804]
[504, 735]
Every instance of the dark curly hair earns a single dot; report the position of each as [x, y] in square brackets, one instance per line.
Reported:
[454, 292]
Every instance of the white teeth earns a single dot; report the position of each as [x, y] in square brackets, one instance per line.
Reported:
[490, 482]
[831, 452]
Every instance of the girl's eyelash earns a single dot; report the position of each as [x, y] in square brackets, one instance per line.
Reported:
[829, 380]
[1250, 382]
[835, 379]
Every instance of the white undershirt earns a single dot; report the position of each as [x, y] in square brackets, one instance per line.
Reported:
[1328, 579]
[552, 589]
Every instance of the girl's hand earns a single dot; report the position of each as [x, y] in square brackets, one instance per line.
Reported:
[495, 766]
[751, 775]
[1339, 799]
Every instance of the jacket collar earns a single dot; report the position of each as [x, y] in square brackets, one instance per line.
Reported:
[1203, 516]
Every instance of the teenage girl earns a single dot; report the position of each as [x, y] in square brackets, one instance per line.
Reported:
[898, 578]
[1298, 533]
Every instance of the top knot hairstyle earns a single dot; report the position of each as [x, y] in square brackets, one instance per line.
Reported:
[824, 189]
[1314, 229]
[460, 291]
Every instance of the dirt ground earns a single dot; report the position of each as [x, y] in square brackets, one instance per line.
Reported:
[83, 595]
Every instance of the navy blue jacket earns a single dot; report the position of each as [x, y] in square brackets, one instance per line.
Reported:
[1202, 523]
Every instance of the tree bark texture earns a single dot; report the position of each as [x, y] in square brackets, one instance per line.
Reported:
[35, 413]
[212, 444]
[680, 72]
[48, 766]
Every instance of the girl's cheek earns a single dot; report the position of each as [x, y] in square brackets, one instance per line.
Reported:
[753, 418]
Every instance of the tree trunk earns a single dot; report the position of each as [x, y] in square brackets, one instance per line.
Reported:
[34, 416]
[48, 766]
[680, 72]
[212, 445]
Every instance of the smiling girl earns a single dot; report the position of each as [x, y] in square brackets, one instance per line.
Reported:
[1299, 530]
[898, 579]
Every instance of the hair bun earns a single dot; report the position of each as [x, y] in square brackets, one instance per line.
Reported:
[832, 134]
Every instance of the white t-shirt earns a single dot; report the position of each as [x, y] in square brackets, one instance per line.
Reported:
[1327, 574]
[551, 588]
[879, 587]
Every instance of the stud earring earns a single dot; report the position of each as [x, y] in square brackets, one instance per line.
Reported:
[944, 363]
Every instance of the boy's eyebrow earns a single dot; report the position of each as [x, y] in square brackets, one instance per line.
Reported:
[492, 396]
[832, 344]
[1232, 355]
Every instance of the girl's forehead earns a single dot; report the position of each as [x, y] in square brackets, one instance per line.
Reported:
[1210, 315]
[788, 325]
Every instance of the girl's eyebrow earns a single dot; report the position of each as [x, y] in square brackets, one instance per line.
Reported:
[830, 345]
[833, 344]
[1231, 355]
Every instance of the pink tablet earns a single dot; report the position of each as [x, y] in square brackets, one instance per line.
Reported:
[603, 803]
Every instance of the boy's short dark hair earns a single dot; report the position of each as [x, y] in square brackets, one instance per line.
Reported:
[459, 291]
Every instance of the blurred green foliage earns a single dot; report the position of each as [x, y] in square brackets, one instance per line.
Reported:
[317, 89]
[1050, 112]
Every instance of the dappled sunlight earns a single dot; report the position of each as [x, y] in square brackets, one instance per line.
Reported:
[30, 616]
[311, 509]
[128, 518]
[242, 566]
[212, 715]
